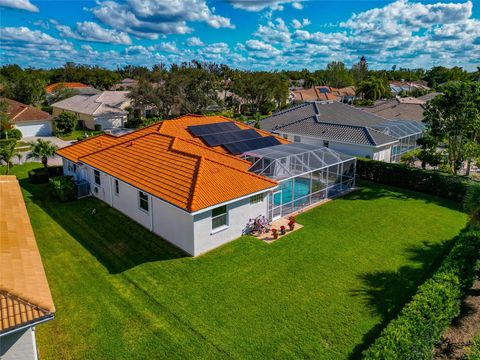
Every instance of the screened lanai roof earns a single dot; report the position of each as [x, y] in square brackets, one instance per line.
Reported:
[400, 128]
[288, 160]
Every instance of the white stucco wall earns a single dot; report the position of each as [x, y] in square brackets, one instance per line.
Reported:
[239, 214]
[111, 121]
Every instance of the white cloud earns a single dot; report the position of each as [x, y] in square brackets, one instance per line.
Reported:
[148, 18]
[91, 31]
[297, 5]
[19, 4]
[169, 47]
[297, 24]
[258, 5]
[274, 32]
[260, 49]
[194, 41]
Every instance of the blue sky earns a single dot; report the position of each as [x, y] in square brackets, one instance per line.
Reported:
[249, 34]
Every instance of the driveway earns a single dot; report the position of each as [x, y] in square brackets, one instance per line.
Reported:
[55, 160]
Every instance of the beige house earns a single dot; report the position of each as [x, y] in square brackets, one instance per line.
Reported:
[106, 109]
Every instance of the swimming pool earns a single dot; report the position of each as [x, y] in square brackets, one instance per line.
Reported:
[290, 192]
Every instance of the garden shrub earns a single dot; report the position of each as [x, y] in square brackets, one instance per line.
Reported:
[65, 123]
[62, 187]
[41, 176]
[448, 186]
[12, 134]
[97, 127]
[420, 324]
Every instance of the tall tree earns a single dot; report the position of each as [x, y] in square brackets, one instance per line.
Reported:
[360, 70]
[453, 117]
[371, 88]
[28, 88]
[337, 75]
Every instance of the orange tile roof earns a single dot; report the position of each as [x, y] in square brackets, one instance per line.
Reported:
[167, 161]
[18, 112]
[177, 171]
[24, 292]
[72, 85]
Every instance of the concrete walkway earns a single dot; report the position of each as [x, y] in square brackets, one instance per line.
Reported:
[55, 160]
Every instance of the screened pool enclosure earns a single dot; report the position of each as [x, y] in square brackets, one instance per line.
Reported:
[306, 174]
[407, 133]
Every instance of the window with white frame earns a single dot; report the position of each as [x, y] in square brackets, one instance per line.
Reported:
[117, 189]
[255, 199]
[326, 143]
[96, 175]
[285, 136]
[219, 217]
[297, 138]
[143, 200]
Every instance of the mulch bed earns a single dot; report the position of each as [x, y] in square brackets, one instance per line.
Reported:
[460, 334]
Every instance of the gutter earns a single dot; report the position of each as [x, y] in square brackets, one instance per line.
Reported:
[29, 325]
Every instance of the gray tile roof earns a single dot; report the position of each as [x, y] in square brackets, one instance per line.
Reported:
[106, 102]
[329, 121]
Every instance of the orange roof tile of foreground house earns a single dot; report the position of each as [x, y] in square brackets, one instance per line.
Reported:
[71, 85]
[25, 297]
[167, 161]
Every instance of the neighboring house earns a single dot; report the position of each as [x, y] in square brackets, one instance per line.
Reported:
[80, 88]
[125, 84]
[345, 129]
[181, 180]
[397, 87]
[28, 119]
[25, 298]
[106, 109]
[400, 108]
[428, 96]
[324, 93]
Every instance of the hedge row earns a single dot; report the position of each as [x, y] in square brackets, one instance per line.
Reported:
[41, 175]
[420, 324]
[452, 187]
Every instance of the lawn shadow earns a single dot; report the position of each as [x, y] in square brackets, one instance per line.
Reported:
[386, 292]
[371, 191]
[118, 242]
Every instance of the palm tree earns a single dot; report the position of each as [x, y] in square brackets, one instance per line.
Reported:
[42, 149]
[371, 88]
[8, 152]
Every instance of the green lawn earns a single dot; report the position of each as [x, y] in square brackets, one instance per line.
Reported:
[76, 133]
[322, 292]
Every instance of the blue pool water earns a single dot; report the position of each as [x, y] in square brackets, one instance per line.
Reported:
[301, 188]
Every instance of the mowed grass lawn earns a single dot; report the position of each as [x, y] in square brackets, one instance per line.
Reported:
[322, 292]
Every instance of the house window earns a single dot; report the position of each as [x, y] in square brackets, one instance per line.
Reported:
[96, 174]
[285, 136]
[143, 200]
[117, 190]
[255, 199]
[326, 143]
[74, 168]
[219, 217]
[296, 138]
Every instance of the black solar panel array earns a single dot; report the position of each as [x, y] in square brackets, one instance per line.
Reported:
[229, 137]
[240, 147]
[207, 129]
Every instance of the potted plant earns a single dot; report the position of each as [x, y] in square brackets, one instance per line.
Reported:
[275, 233]
[282, 230]
[291, 223]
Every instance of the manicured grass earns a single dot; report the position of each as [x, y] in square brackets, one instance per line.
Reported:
[76, 133]
[322, 292]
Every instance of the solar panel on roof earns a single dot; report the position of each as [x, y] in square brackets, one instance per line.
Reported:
[240, 147]
[199, 130]
[229, 137]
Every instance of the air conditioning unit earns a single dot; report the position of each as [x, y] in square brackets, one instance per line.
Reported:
[82, 188]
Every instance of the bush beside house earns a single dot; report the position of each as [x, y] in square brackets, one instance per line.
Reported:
[65, 123]
[452, 187]
[414, 333]
[62, 187]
